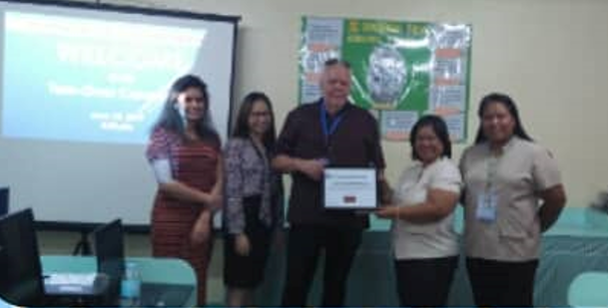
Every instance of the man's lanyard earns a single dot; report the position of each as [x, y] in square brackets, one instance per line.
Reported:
[329, 130]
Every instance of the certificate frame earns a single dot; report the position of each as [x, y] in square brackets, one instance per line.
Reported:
[350, 188]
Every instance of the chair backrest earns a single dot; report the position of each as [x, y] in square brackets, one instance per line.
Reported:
[167, 270]
[588, 289]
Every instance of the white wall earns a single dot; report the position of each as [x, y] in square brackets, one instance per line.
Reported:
[550, 55]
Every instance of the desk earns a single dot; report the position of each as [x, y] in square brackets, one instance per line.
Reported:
[577, 243]
[152, 270]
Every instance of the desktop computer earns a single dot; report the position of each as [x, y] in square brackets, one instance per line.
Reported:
[20, 268]
[21, 280]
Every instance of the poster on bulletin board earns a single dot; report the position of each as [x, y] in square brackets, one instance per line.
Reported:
[403, 70]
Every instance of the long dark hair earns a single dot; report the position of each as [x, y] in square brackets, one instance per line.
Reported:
[508, 103]
[241, 129]
[439, 128]
[171, 120]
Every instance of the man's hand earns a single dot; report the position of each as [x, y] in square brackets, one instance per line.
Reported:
[313, 168]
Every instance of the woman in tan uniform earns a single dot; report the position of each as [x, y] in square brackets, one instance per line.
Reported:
[513, 193]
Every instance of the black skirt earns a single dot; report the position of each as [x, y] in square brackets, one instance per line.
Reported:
[248, 271]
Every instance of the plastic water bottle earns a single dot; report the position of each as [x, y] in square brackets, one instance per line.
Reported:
[130, 289]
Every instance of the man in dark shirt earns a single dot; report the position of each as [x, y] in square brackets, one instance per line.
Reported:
[330, 131]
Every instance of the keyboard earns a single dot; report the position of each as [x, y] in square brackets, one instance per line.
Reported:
[83, 279]
[70, 283]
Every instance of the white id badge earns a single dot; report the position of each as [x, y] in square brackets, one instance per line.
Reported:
[486, 207]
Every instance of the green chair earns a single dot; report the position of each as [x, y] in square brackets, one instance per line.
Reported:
[589, 289]
[167, 270]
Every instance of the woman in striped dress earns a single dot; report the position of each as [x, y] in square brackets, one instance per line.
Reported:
[185, 154]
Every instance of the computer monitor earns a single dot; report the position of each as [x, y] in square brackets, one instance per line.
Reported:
[3, 201]
[20, 268]
[109, 249]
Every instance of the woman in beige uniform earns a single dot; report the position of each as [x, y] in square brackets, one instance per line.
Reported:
[513, 193]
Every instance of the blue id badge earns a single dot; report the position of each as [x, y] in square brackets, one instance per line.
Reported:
[486, 207]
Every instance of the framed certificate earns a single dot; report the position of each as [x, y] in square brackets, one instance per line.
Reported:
[350, 188]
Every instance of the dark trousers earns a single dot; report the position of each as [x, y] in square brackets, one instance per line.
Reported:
[502, 284]
[425, 282]
[304, 248]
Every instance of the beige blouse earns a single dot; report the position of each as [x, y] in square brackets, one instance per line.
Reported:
[522, 170]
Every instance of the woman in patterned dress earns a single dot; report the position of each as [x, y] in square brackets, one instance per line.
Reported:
[185, 153]
[254, 199]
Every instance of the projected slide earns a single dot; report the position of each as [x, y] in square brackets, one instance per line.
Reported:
[81, 85]
[76, 79]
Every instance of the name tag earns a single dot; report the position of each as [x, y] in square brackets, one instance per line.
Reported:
[486, 207]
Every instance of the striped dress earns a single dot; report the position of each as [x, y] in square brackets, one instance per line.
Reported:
[193, 163]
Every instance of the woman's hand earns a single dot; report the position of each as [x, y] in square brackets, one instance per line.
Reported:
[242, 245]
[201, 231]
[387, 212]
[214, 202]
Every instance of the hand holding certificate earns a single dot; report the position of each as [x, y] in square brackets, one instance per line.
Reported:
[350, 188]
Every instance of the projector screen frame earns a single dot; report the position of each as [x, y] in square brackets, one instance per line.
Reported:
[86, 227]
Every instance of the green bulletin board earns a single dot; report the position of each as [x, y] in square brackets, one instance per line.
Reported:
[402, 70]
